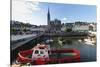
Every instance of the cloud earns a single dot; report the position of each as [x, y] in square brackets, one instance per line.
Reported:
[64, 19]
[22, 10]
[33, 6]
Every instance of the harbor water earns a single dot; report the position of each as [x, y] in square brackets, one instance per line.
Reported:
[87, 50]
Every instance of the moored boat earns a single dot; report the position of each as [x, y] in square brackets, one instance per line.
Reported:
[40, 54]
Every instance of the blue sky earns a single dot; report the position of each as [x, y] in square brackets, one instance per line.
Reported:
[36, 12]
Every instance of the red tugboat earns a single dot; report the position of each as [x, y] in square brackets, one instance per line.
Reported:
[41, 54]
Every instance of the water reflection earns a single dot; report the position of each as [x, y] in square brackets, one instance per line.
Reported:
[69, 42]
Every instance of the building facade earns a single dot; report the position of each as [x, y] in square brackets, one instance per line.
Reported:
[55, 25]
[84, 26]
[80, 26]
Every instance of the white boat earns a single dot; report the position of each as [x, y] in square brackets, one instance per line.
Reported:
[49, 40]
[89, 42]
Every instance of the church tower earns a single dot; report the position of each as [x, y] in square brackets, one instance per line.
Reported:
[48, 17]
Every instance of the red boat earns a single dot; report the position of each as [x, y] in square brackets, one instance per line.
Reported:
[41, 54]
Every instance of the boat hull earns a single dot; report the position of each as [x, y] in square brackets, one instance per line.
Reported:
[23, 57]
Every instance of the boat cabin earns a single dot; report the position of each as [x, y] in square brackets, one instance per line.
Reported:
[40, 51]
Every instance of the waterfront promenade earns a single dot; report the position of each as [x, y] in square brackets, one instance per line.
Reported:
[18, 37]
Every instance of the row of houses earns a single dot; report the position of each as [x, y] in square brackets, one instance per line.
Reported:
[79, 26]
[55, 26]
[18, 28]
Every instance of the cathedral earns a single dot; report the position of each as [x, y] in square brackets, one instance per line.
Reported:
[53, 25]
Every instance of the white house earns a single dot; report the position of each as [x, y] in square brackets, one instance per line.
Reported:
[83, 26]
[80, 26]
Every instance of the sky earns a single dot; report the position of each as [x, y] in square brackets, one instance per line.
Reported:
[36, 12]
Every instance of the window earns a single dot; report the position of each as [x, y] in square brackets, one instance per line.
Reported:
[41, 47]
[41, 52]
[36, 51]
[48, 52]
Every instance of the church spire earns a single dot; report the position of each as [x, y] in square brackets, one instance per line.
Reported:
[48, 17]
